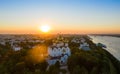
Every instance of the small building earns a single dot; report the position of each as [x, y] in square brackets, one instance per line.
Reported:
[84, 46]
[101, 45]
[16, 48]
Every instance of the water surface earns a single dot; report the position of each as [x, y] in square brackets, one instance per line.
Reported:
[112, 43]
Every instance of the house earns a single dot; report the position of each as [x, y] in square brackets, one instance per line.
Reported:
[16, 48]
[84, 46]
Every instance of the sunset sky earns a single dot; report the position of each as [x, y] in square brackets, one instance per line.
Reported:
[65, 16]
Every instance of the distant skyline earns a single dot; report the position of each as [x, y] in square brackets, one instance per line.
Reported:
[65, 16]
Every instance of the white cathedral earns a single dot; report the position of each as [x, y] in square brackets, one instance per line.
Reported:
[59, 51]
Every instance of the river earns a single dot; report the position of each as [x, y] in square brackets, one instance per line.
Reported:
[112, 43]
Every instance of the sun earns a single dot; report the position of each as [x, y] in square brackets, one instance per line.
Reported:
[45, 28]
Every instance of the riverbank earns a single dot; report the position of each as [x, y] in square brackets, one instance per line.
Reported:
[112, 35]
[112, 44]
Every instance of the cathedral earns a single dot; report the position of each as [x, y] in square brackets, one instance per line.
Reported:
[58, 51]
